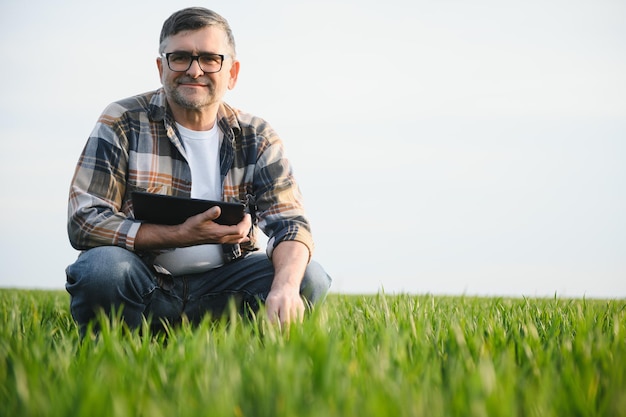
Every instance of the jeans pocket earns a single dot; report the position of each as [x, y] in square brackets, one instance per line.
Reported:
[215, 304]
[164, 305]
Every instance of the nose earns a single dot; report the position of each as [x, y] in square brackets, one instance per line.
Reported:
[194, 69]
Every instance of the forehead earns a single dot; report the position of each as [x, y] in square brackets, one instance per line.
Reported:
[208, 39]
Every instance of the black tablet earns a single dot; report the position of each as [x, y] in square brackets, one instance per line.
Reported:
[166, 209]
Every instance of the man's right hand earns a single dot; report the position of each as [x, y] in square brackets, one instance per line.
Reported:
[196, 230]
[204, 230]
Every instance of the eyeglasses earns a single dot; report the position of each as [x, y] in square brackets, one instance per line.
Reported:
[181, 61]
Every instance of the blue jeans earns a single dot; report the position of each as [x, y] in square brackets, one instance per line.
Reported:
[113, 279]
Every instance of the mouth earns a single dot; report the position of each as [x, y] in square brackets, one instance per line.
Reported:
[189, 82]
[192, 85]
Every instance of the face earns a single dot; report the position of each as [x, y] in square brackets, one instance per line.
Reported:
[193, 89]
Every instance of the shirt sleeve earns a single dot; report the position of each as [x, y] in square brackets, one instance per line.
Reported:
[97, 213]
[279, 200]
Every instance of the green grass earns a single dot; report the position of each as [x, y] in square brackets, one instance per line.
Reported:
[379, 355]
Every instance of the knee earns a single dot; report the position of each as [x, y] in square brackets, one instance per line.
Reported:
[104, 274]
[316, 283]
[108, 277]
[107, 263]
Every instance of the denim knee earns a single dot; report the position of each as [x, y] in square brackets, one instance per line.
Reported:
[316, 283]
[109, 277]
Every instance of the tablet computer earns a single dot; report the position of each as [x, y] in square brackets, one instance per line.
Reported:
[171, 210]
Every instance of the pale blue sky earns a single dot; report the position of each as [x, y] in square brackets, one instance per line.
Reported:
[443, 147]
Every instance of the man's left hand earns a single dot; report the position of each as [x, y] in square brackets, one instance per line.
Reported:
[285, 306]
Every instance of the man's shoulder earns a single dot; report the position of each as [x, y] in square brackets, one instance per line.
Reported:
[140, 103]
[246, 122]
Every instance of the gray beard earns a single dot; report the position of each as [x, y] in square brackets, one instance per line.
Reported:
[185, 103]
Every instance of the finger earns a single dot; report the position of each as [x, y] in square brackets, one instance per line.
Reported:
[293, 313]
[212, 213]
[245, 225]
[246, 222]
[235, 239]
[272, 313]
[208, 215]
[286, 317]
[298, 315]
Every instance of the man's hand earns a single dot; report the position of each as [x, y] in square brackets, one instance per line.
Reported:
[202, 229]
[284, 304]
[196, 230]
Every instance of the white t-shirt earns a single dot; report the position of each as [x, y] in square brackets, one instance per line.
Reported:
[202, 151]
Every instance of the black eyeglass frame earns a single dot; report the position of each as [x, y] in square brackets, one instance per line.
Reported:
[196, 58]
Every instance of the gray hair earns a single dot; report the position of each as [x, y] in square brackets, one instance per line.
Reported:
[194, 18]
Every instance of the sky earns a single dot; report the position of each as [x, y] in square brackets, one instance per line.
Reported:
[443, 147]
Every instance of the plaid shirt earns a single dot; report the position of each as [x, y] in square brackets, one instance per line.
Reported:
[135, 146]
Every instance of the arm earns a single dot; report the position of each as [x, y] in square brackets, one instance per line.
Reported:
[96, 216]
[282, 218]
[284, 303]
[196, 230]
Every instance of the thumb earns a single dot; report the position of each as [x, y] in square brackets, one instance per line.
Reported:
[212, 213]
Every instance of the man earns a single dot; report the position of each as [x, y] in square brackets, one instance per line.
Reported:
[183, 140]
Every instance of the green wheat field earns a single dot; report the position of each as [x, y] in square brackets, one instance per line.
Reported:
[373, 355]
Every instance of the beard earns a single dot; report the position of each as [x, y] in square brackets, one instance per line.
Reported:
[175, 93]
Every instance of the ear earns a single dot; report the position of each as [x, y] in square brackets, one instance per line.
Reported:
[159, 63]
[234, 73]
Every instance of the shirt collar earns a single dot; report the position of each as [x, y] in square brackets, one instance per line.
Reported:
[157, 109]
[226, 115]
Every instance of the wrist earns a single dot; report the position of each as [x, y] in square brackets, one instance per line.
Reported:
[284, 287]
[156, 236]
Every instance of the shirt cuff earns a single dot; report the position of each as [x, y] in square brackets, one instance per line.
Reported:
[272, 243]
[131, 235]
